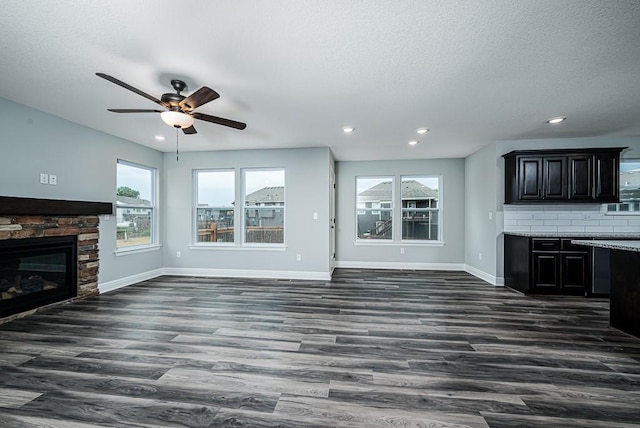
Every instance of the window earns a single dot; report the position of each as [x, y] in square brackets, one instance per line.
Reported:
[215, 196]
[629, 189]
[264, 197]
[420, 208]
[135, 205]
[374, 207]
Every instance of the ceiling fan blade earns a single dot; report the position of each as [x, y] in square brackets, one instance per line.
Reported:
[131, 88]
[220, 120]
[133, 110]
[189, 130]
[198, 98]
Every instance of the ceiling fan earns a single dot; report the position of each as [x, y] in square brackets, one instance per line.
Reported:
[179, 111]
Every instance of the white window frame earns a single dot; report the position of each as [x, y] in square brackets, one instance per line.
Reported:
[244, 207]
[155, 221]
[614, 209]
[194, 236]
[376, 210]
[437, 210]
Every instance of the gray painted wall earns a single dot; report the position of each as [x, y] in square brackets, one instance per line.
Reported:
[306, 192]
[453, 212]
[481, 187]
[33, 142]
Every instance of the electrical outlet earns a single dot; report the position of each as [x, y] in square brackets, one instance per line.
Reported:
[315, 216]
[479, 256]
[298, 257]
[401, 250]
[53, 179]
[490, 215]
[44, 178]
[178, 254]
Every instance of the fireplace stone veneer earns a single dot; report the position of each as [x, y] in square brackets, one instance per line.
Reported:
[70, 219]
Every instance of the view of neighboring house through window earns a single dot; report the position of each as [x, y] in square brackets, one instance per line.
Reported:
[264, 196]
[215, 196]
[629, 189]
[374, 205]
[420, 208]
[135, 205]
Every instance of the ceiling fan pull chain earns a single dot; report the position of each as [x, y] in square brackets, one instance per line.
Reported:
[177, 132]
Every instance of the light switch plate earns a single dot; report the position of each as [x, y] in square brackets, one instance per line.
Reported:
[53, 179]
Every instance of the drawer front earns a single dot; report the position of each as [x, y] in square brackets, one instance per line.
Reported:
[546, 244]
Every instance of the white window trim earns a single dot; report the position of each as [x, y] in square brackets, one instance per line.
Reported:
[242, 187]
[194, 209]
[155, 215]
[440, 240]
[377, 210]
[605, 207]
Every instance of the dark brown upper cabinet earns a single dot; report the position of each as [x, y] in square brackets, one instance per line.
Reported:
[562, 176]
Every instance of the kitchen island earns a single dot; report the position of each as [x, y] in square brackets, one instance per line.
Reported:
[624, 268]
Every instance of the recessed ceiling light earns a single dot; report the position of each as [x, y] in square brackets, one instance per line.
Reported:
[555, 120]
[413, 142]
[348, 129]
[422, 130]
[159, 137]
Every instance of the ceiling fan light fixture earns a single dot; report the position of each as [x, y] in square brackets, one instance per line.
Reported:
[177, 119]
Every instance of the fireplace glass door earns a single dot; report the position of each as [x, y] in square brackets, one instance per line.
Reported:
[36, 272]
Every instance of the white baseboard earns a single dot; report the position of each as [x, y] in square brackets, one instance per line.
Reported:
[493, 280]
[129, 280]
[249, 273]
[400, 266]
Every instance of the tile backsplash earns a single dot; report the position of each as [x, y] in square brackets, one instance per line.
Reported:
[567, 218]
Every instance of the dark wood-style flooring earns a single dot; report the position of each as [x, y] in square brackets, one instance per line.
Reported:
[368, 349]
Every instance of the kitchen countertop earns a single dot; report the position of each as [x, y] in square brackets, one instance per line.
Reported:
[610, 244]
[598, 235]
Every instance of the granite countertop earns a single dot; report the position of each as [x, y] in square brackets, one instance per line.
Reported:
[598, 235]
[610, 244]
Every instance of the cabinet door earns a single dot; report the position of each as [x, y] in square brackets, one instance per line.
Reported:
[555, 177]
[581, 177]
[575, 272]
[546, 271]
[530, 178]
[607, 176]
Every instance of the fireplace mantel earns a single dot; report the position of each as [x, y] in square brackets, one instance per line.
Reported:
[10, 205]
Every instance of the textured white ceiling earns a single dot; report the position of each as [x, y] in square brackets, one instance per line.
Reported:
[298, 71]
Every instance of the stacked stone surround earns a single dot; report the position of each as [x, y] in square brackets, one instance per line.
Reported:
[84, 227]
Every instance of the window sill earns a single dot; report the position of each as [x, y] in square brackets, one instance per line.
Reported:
[232, 247]
[135, 250]
[384, 243]
[622, 213]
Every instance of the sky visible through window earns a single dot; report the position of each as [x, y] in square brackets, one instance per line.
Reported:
[217, 188]
[136, 178]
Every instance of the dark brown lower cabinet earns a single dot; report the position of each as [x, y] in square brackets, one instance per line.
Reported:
[547, 265]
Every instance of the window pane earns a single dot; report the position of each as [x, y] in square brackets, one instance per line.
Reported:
[133, 226]
[134, 182]
[629, 181]
[374, 207]
[374, 224]
[422, 225]
[215, 206]
[420, 192]
[135, 205]
[264, 194]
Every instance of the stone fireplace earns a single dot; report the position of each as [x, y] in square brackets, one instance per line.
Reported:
[48, 252]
